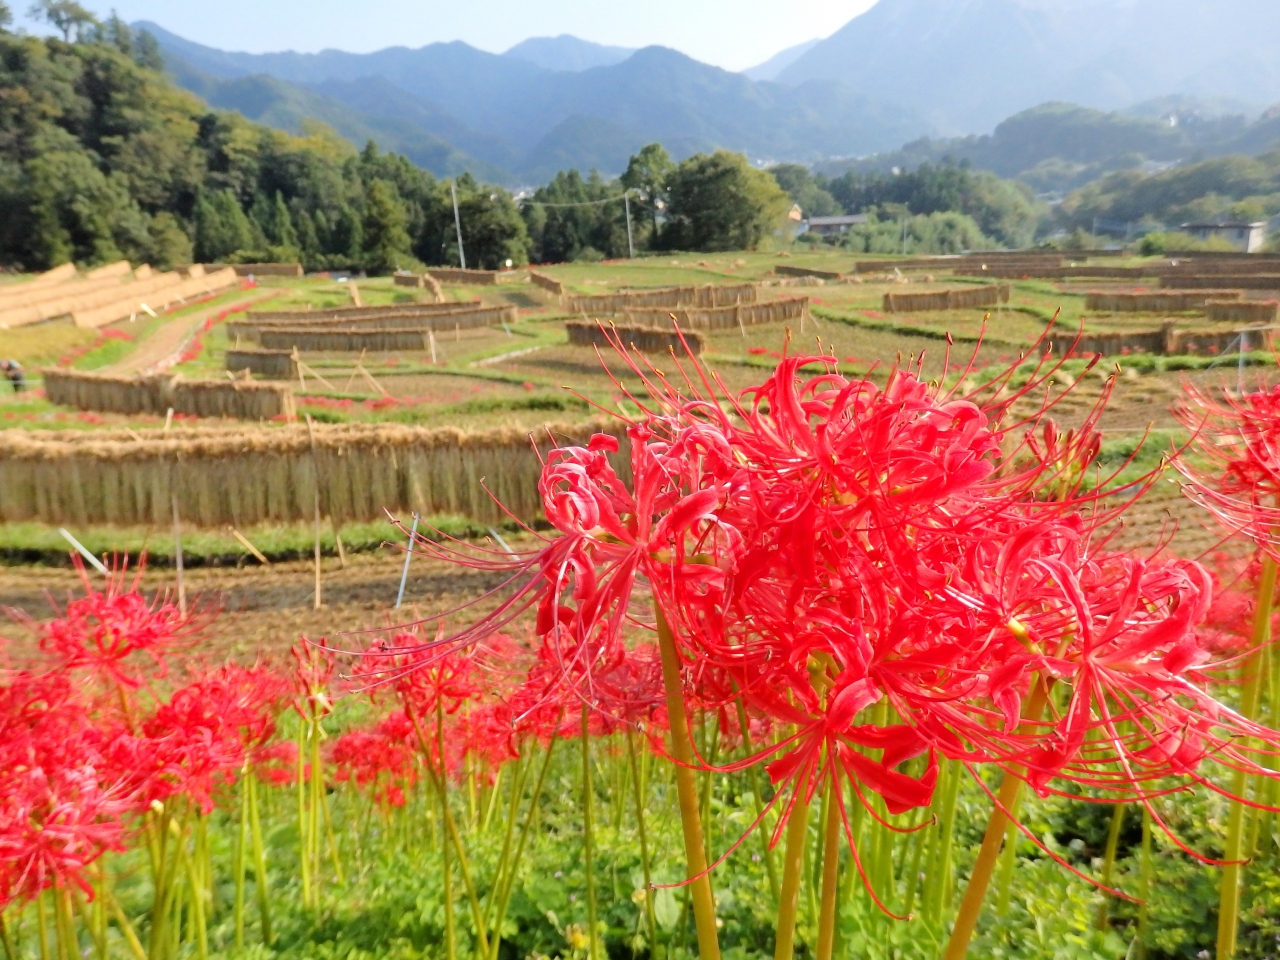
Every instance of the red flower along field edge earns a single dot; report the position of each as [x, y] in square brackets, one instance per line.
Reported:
[853, 588]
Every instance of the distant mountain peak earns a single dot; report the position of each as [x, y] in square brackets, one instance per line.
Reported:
[568, 53]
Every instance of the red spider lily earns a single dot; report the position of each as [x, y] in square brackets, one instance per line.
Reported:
[1239, 436]
[382, 760]
[203, 736]
[313, 675]
[114, 632]
[56, 815]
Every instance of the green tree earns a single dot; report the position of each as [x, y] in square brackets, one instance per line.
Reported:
[170, 246]
[719, 201]
[146, 51]
[6, 16]
[806, 190]
[66, 16]
[221, 227]
[647, 174]
[386, 241]
[578, 218]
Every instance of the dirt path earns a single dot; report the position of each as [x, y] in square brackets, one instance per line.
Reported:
[168, 340]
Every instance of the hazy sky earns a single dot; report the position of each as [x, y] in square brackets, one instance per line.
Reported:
[734, 34]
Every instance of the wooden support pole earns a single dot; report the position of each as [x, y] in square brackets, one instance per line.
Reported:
[244, 542]
[315, 469]
[177, 552]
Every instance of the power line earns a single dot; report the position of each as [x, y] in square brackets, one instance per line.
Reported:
[584, 203]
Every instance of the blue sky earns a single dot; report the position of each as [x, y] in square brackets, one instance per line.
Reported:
[734, 34]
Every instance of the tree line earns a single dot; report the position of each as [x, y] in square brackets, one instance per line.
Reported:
[102, 158]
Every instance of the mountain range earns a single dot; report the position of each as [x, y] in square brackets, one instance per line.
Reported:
[904, 70]
[967, 64]
[449, 106]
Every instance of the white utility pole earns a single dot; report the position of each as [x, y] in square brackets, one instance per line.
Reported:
[457, 222]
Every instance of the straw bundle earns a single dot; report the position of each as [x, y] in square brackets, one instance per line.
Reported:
[117, 269]
[583, 333]
[408, 280]
[1242, 311]
[546, 283]
[467, 319]
[247, 477]
[724, 318]
[1214, 281]
[702, 297]
[343, 339]
[1110, 344]
[1213, 342]
[50, 278]
[126, 306]
[1239, 266]
[1036, 272]
[268, 364]
[155, 395]
[360, 313]
[959, 298]
[785, 270]
[1171, 302]
[24, 297]
[481, 278]
[68, 298]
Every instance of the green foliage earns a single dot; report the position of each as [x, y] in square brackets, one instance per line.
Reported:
[1002, 209]
[921, 234]
[66, 16]
[718, 201]
[1227, 187]
[560, 233]
[806, 190]
[6, 16]
[102, 158]
[386, 241]
[1155, 244]
[493, 231]
[648, 173]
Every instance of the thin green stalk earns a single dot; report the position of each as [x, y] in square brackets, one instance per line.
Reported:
[304, 844]
[334, 858]
[1233, 872]
[588, 828]
[96, 933]
[1008, 862]
[126, 928]
[238, 859]
[993, 839]
[42, 925]
[6, 937]
[494, 794]
[68, 947]
[757, 777]
[525, 830]
[650, 918]
[832, 832]
[259, 861]
[792, 867]
[197, 901]
[939, 861]
[1145, 875]
[699, 887]
[1109, 863]
[313, 822]
[508, 834]
[918, 840]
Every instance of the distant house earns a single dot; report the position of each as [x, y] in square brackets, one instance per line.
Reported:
[833, 226]
[1247, 237]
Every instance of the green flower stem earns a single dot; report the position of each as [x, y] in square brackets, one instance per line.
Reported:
[530, 818]
[757, 776]
[650, 918]
[1109, 863]
[832, 833]
[196, 894]
[993, 839]
[792, 868]
[304, 844]
[702, 900]
[588, 805]
[508, 834]
[42, 926]
[238, 858]
[1251, 671]
[259, 860]
[1008, 863]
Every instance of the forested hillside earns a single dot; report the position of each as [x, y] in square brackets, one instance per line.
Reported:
[101, 157]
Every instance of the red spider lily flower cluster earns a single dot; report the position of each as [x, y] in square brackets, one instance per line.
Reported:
[88, 744]
[892, 571]
[382, 760]
[1238, 435]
